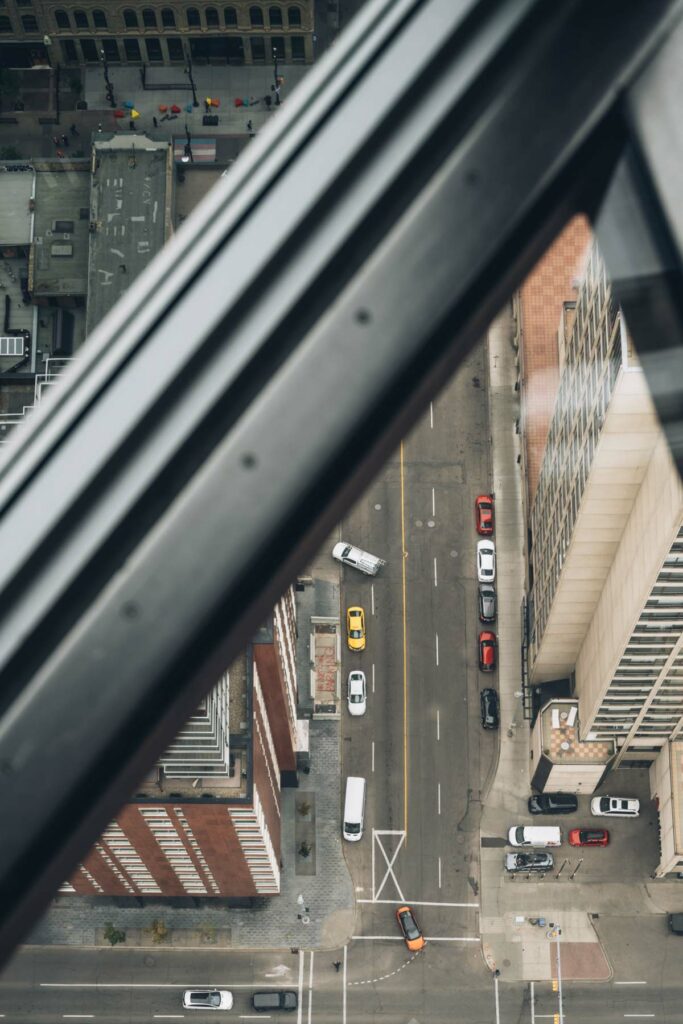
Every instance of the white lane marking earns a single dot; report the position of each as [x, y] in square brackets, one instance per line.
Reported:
[431, 415]
[373, 678]
[383, 977]
[310, 988]
[532, 1000]
[77, 1016]
[438, 725]
[344, 987]
[372, 597]
[373, 755]
[419, 903]
[436, 580]
[389, 863]
[433, 503]
[559, 979]
[397, 938]
[495, 989]
[302, 957]
[439, 872]
[639, 1015]
[254, 1016]
[168, 1016]
[630, 983]
[129, 984]
[438, 797]
[437, 648]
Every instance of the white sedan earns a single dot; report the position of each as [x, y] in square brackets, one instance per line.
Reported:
[356, 693]
[486, 561]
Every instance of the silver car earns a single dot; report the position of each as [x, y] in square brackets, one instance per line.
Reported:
[528, 861]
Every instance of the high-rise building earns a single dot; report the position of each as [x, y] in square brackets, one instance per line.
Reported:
[205, 822]
[242, 32]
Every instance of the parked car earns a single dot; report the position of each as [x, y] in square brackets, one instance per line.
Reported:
[487, 651]
[275, 999]
[207, 999]
[356, 696]
[486, 561]
[487, 603]
[552, 803]
[355, 628]
[488, 701]
[483, 506]
[615, 806]
[528, 861]
[676, 924]
[535, 835]
[588, 837]
[414, 939]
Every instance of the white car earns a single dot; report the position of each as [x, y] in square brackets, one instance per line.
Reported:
[356, 693]
[486, 561]
[615, 806]
[207, 999]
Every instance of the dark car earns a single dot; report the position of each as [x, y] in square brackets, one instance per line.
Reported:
[488, 701]
[276, 999]
[553, 803]
[528, 861]
[487, 603]
[676, 923]
[487, 651]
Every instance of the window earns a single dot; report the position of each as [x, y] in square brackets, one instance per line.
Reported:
[256, 16]
[258, 49]
[111, 50]
[294, 17]
[230, 17]
[81, 19]
[167, 17]
[298, 48]
[130, 18]
[154, 54]
[149, 18]
[193, 19]
[275, 17]
[5, 23]
[211, 16]
[132, 50]
[29, 22]
[23, 3]
[277, 43]
[62, 19]
[69, 51]
[99, 19]
[235, 50]
[90, 52]
[175, 50]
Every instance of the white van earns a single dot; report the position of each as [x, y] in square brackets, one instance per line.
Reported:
[354, 809]
[535, 835]
[357, 558]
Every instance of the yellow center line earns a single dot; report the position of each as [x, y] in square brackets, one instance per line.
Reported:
[405, 653]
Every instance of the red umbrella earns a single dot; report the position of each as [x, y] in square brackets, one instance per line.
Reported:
[163, 108]
[119, 113]
[175, 109]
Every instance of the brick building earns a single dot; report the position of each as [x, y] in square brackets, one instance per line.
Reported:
[205, 822]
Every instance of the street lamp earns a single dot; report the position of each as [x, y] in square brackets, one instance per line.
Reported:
[47, 43]
[187, 157]
[276, 87]
[188, 71]
[110, 89]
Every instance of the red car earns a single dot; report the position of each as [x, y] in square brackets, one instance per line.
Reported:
[483, 507]
[487, 651]
[588, 837]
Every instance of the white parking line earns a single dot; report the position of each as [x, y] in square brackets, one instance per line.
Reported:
[373, 755]
[439, 872]
[532, 1001]
[419, 903]
[433, 503]
[397, 938]
[438, 797]
[301, 985]
[310, 988]
[373, 678]
[431, 415]
[438, 725]
[639, 1015]
[372, 597]
[344, 988]
[559, 980]
[495, 989]
[630, 983]
[436, 580]
[437, 648]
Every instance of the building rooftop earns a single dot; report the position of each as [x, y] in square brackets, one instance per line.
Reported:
[560, 736]
[130, 215]
[16, 191]
[59, 263]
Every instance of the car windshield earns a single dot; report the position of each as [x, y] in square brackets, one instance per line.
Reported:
[355, 633]
[519, 833]
[355, 698]
[409, 926]
[604, 803]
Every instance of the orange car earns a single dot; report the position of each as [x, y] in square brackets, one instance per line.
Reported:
[483, 507]
[414, 939]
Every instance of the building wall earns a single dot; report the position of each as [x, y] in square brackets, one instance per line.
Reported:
[242, 32]
[638, 622]
[666, 786]
[275, 666]
[548, 286]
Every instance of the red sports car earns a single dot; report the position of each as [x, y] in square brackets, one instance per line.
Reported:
[483, 507]
[487, 651]
[588, 837]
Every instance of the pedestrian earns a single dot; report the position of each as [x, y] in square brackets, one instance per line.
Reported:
[250, 127]
[207, 105]
[156, 123]
[132, 125]
[336, 964]
[65, 141]
[60, 153]
[55, 140]
[74, 130]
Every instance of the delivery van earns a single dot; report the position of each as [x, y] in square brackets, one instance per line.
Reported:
[357, 558]
[535, 835]
[354, 809]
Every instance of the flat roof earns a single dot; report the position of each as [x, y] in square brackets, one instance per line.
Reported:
[59, 262]
[130, 214]
[561, 741]
[16, 189]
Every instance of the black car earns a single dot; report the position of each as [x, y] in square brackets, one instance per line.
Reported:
[528, 861]
[676, 923]
[488, 700]
[553, 803]
[487, 603]
[276, 999]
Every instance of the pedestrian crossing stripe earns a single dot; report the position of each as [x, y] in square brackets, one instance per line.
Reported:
[555, 985]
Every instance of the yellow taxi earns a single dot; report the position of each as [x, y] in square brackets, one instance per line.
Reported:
[355, 628]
